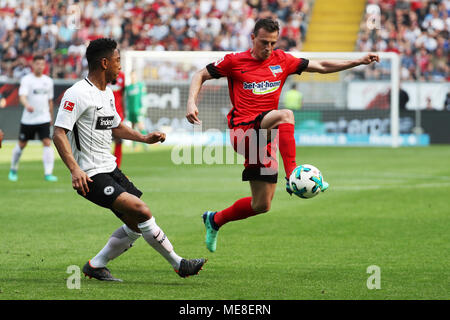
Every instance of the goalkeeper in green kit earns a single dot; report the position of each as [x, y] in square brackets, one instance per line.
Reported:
[134, 92]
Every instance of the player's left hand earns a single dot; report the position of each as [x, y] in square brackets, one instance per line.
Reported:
[155, 137]
[369, 58]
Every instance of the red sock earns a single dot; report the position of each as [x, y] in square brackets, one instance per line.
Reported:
[118, 154]
[241, 209]
[287, 147]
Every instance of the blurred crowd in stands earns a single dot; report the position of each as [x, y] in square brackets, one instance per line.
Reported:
[61, 30]
[417, 30]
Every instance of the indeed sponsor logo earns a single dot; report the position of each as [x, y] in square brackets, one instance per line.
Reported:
[104, 123]
[263, 87]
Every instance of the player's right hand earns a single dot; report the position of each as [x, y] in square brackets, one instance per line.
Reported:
[192, 114]
[29, 108]
[80, 181]
[369, 58]
[155, 137]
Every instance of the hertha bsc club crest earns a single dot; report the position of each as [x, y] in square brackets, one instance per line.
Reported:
[275, 70]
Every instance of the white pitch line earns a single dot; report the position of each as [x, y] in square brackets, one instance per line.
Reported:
[332, 188]
[397, 186]
[57, 190]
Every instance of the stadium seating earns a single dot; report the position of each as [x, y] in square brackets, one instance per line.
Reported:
[62, 32]
[417, 30]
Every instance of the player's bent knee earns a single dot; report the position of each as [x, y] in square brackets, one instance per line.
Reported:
[132, 207]
[288, 116]
[143, 211]
[22, 144]
[46, 142]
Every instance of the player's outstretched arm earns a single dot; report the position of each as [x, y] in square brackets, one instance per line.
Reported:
[125, 132]
[194, 89]
[79, 177]
[329, 66]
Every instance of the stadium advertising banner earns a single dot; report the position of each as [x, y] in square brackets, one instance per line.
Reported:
[163, 108]
[375, 95]
[351, 127]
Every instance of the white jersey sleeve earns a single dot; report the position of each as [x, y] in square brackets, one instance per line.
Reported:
[24, 88]
[70, 110]
[51, 92]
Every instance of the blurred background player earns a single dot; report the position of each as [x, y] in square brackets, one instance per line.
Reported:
[134, 93]
[255, 80]
[1, 137]
[118, 88]
[36, 95]
[293, 98]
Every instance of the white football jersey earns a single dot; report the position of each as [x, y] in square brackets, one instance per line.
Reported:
[89, 114]
[38, 90]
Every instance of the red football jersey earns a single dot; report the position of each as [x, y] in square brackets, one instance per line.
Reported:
[255, 85]
[118, 89]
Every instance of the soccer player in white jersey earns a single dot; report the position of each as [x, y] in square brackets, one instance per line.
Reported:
[85, 125]
[36, 95]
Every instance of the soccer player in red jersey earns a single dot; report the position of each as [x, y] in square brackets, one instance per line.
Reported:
[118, 88]
[255, 79]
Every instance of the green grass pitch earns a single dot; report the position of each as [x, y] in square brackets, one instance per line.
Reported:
[385, 207]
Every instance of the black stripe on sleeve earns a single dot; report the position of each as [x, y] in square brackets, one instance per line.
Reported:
[76, 136]
[302, 66]
[213, 71]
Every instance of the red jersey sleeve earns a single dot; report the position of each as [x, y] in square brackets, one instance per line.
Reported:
[222, 67]
[296, 65]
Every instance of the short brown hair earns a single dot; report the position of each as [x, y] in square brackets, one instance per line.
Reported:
[267, 24]
[38, 57]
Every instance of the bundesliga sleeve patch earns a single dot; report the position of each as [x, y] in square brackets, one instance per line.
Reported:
[68, 106]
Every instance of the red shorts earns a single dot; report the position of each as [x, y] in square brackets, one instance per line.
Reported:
[249, 140]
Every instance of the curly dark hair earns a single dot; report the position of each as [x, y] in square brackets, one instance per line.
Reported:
[98, 49]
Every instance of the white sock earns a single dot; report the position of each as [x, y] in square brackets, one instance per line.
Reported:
[159, 241]
[17, 152]
[48, 158]
[120, 241]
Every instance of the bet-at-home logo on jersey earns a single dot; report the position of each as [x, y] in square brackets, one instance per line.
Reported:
[263, 87]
